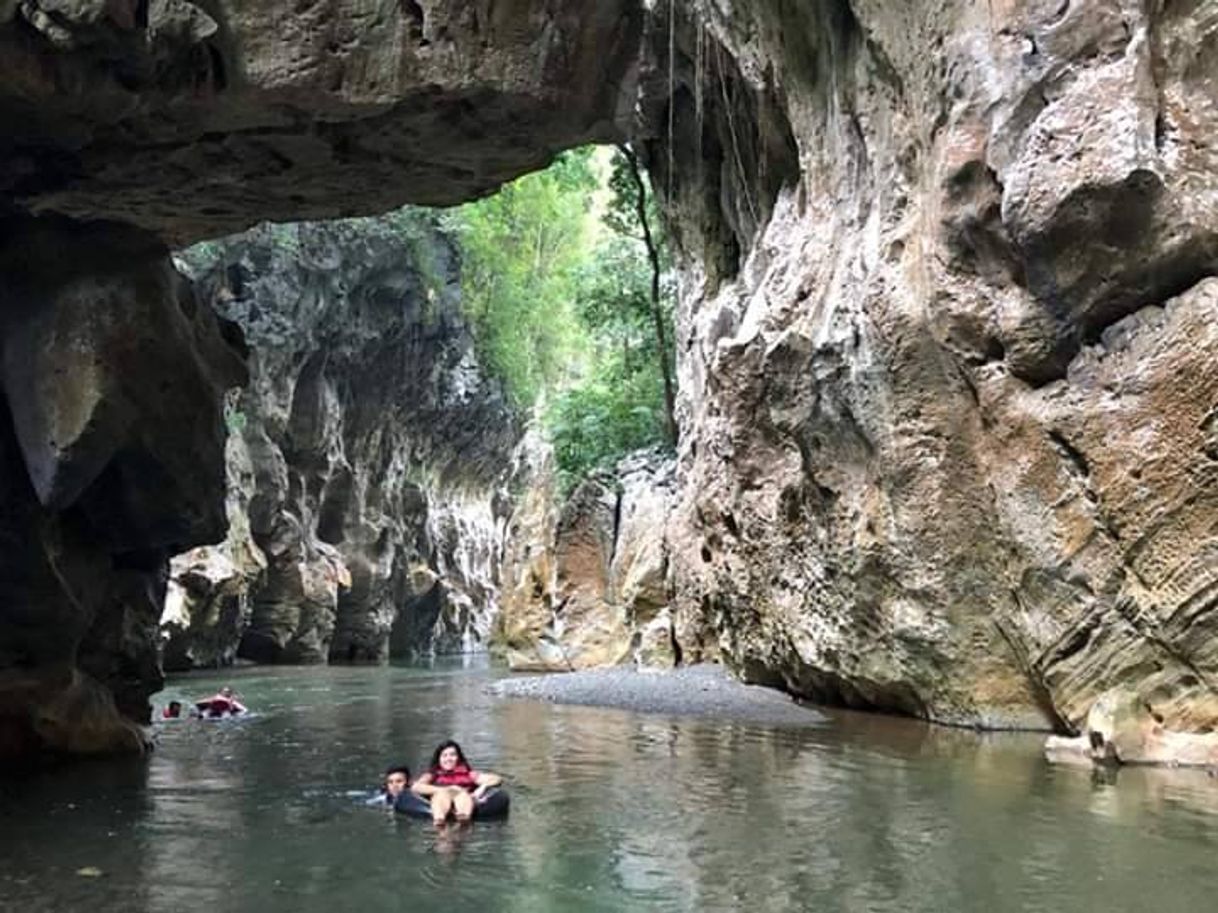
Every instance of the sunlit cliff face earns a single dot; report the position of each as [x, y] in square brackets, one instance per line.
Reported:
[945, 428]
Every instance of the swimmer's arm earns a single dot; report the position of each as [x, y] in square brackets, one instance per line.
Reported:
[423, 786]
[486, 781]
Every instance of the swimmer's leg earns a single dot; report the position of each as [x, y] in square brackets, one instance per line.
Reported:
[463, 805]
[441, 805]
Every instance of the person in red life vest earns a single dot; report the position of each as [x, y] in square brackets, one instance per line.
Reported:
[172, 711]
[220, 703]
[451, 785]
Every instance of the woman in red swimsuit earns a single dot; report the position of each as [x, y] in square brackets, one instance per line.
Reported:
[451, 785]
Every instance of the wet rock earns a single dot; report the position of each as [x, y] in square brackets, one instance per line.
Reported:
[82, 718]
[1121, 728]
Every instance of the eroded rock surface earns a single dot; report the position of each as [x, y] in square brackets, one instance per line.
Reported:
[179, 121]
[586, 577]
[1121, 728]
[949, 384]
[196, 120]
[946, 345]
[111, 442]
[367, 454]
[207, 604]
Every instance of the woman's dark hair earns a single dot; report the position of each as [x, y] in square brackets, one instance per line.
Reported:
[435, 755]
[398, 769]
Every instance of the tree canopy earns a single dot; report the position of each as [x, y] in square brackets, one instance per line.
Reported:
[565, 280]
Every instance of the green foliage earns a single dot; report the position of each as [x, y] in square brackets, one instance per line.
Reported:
[234, 419]
[522, 251]
[595, 423]
[561, 306]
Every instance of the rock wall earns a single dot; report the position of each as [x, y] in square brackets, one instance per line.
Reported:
[207, 606]
[180, 121]
[111, 439]
[947, 351]
[367, 453]
[586, 577]
[197, 120]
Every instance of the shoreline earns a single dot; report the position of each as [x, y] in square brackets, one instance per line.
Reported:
[705, 690]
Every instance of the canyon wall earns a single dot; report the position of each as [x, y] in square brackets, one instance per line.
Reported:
[947, 351]
[585, 576]
[367, 453]
[946, 343]
[132, 125]
[111, 460]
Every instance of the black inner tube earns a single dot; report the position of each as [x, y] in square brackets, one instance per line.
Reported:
[495, 804]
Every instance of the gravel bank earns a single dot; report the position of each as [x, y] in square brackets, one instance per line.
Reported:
[703, 691]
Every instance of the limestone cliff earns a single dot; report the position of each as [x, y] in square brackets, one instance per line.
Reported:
[947, 351]
[948, 386]
[111, 460]
[207, 599]
[195, 120]
[368, 451]
[180, 121]
[586, 577]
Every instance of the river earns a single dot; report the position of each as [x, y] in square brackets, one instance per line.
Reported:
[612, 811]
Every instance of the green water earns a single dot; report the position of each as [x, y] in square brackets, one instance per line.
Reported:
[612, 811]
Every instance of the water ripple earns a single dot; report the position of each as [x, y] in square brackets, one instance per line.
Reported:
[612, 811]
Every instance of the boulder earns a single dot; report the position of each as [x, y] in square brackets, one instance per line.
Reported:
[1122, 728]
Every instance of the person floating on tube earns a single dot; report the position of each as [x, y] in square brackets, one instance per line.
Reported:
[220, 704]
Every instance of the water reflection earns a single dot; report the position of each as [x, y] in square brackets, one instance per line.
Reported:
[611, 811]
